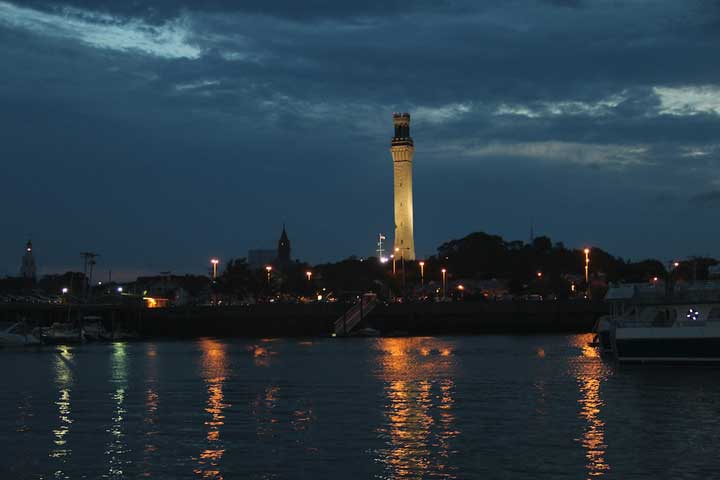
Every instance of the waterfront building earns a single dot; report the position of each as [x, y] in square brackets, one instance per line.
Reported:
[28, 269]
[402, 151]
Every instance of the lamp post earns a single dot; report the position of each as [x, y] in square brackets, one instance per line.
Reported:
[308, 274]
[268, 269]
[587, 266]
[393, 259]
[214, 262]
[397, 249]
[461, 289]
[444, 273]
[422, 273]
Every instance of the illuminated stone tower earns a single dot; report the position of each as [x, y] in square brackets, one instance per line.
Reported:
[402, 152]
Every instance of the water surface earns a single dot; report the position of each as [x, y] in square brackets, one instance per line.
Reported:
[389, 408]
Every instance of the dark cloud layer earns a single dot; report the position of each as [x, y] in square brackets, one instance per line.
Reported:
[163, 132]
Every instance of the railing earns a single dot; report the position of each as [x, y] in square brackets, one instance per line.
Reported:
[355, 314]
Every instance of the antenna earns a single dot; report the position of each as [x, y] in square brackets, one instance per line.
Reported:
[380, 249]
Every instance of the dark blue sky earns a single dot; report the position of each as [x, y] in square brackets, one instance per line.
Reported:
[159, 136]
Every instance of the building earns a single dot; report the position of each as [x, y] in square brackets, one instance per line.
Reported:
[280, 258]
[28, 270]
[283, 251]
[402, 151]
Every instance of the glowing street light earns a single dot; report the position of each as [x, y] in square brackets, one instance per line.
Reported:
[587, 265]
[268, 268]
[422, 273]
[64, 290]
[539, 274]
[308, 274]
[120, 289]
[394, 257]
[461, 289]
[444, 274]
[214, 262]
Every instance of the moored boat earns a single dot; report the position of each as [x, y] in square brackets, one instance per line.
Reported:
[648, 324]
[61, 333]
[18, 335]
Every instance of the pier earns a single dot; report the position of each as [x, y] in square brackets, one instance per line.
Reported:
[321, 319]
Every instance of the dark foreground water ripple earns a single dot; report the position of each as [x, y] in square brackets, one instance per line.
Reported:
[390, 408]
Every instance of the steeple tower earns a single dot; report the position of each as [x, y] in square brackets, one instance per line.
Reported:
[283, 255]
[402, 151]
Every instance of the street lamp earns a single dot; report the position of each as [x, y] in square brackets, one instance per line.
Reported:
[64, 290]
[393, 259]
[444, 273]
[308, 274]
[422, 273]
[397, 249]
[461, 289]
[214, 262]
[120, 289]
[587, 265]
[268, 268]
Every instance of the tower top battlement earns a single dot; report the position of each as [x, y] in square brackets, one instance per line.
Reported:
[401, 121]
[401, 118]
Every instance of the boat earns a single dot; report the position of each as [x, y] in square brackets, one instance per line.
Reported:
[652, 324]
[18, 334]
[93, 329]
[61, 333]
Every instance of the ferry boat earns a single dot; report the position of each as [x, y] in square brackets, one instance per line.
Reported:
[651, 324]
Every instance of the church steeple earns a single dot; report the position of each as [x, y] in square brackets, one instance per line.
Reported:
[283, 255]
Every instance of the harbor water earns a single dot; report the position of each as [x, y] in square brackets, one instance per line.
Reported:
[520, 407]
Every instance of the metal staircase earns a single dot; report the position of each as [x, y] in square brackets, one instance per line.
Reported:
[359, 311]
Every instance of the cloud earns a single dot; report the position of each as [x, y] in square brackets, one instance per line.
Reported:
[617, 156]
[169, 40]
[689, 100]
[599, 108]
[442, 114]
[199, 85]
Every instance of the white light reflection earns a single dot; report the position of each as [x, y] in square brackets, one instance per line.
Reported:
[64, 380]
[116, 448]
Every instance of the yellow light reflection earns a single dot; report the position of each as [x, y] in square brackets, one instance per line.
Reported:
[420, 420]
[263, 411]
[214, 373]
[61, 451]
[590, 371]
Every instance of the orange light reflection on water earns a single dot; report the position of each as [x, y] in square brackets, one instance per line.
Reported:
[419, 390]
[214, 373]
[152, 402]
[590, 371]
